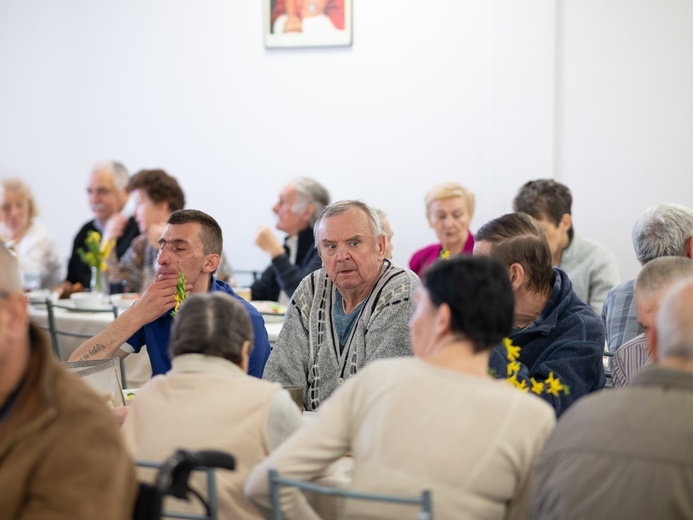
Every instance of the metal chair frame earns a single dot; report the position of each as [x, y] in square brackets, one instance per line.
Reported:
[55, 332]
[275, 480]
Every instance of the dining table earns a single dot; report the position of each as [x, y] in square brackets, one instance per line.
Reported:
[137, 367]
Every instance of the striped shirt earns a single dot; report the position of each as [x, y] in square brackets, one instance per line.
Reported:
[630, 359]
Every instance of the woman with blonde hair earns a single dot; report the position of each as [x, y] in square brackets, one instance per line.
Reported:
[31, 241]
[449, 210]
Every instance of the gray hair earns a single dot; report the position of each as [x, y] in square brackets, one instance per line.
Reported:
[342, 206]
[309, 191]
[674, 323]
[120, 173]
[660, 273]
[213, 324]
[662, 230]
[10, 280]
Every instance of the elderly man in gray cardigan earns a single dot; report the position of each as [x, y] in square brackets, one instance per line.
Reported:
[352, 311]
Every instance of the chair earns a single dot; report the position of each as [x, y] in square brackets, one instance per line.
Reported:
[55, 332]
[607, 368]
[424, 500]
[172, 480]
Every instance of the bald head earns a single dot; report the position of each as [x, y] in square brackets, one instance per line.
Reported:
[660, 273]
[651, 284]
[675, 323]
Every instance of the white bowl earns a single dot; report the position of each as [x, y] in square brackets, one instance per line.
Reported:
[87, 300]
[124, 300]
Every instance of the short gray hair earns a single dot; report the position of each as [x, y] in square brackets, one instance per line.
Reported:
[214, 324]
[674, 323]
[660, 273]
[662, 230]
[309, 191]
[10, 281]
[120, 173]
[342, 206]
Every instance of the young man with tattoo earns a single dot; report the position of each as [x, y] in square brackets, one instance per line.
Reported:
[191, 245]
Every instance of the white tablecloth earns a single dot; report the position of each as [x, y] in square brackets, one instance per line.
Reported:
[137, 367]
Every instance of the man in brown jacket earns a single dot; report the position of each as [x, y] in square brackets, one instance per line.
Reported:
[61, 454]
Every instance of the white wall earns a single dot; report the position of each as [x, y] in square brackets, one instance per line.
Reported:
[490, 93]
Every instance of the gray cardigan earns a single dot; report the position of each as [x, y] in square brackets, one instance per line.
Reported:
[307, 349]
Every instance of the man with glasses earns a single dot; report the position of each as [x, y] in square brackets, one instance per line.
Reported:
[107, 193]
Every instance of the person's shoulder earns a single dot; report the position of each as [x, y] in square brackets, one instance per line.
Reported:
[426, 251]
[86, 227]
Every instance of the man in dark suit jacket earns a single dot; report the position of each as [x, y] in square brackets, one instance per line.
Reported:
[300, 204]
[107, 192]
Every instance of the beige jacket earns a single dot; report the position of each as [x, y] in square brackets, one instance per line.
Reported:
[207, 402]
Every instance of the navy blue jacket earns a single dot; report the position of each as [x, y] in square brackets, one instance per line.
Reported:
[283, 275]
[566, 339]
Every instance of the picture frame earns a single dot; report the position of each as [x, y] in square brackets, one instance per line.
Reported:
[308, 23]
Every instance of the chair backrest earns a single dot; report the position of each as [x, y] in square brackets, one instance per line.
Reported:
[607, 368]
[275, 481]
[55, 331]
[172, 480]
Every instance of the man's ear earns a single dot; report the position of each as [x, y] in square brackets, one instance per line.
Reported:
[688, 250]
[381, 242]
[652, 346]
[517, 275]
[212, 262]
[443, 319]
[245, 356]
[566, 222]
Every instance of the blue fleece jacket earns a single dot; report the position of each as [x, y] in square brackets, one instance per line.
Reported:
[567, 339]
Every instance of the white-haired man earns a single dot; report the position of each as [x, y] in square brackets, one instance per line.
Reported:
[650, 286]
[663, 230]
[300, 204]
[627, 453]
[107, 193]
[352, 311]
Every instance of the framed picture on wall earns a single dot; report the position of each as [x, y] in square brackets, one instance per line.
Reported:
[307, 23]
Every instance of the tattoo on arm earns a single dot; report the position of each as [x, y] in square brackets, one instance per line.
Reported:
[94, 350]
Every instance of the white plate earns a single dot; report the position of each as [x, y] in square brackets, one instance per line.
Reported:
[40, 296]
[70, 306]
[124, 300]
[269, 307]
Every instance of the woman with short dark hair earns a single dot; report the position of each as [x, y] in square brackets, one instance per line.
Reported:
[434, 421]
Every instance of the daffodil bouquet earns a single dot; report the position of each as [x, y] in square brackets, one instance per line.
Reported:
[181, 294]
[95, 257]
[551, 385]
[96, 253]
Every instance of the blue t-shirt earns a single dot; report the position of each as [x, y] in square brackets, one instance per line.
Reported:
[156, 335]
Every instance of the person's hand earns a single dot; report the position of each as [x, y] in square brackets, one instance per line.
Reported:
[293, 24]
[266, 241]
[154, 232]
[115, 227]
[157, 299]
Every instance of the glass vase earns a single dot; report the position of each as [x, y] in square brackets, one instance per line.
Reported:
[97, 283]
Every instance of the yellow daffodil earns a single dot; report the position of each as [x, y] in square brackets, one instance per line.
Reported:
[513, 368]
[513, 350]
[552, 385]
[181, 293]
[537, 386]
[444, 254]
